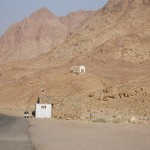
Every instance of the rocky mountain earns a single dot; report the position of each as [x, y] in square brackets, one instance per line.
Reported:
[121, 31]
[114, 47]
[38, 34]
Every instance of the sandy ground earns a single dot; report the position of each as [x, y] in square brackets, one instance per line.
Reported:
[78, 135]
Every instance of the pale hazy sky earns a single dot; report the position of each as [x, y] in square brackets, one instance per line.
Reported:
[12, 11]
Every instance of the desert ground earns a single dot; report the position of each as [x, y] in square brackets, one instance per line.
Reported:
[19, 133]
[55, 134]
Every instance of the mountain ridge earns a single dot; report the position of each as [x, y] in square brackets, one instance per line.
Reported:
[38, 34]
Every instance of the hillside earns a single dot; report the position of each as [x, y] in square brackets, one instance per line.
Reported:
[121, 30]
[38, 34]
[114, 47]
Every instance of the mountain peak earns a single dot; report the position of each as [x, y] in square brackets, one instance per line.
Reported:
[37, 34]
[118, 5]
[43, 13]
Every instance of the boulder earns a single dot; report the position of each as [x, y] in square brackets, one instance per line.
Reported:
[133, 119]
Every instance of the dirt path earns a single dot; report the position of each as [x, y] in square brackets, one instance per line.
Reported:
[78, 135]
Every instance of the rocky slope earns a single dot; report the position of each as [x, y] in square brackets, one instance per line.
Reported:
[38, 34]
[121, 30]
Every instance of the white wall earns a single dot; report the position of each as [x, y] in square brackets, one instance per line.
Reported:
[82, 68]
[43, 110]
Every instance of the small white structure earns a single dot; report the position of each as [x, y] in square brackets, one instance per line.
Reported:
[78, 69]
[43, 110]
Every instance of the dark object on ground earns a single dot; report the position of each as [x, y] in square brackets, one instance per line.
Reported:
[26, 114]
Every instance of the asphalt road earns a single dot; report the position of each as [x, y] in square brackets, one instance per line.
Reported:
[14, 133]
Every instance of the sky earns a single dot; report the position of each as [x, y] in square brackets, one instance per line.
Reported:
[12, 11]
